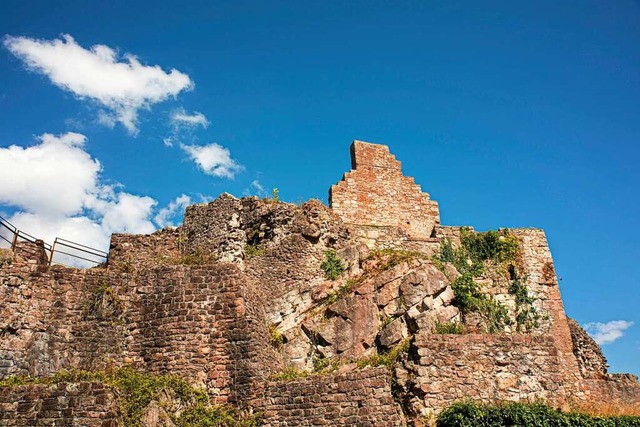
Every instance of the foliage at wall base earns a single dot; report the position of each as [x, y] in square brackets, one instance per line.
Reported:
[470, 414]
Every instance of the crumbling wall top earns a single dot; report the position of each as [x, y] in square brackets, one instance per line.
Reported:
[366, 155]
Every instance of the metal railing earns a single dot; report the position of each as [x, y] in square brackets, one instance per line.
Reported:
[8, 233]
[78, 251]
[69, 253]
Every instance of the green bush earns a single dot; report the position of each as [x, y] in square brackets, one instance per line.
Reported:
[470, 414]
[500, 246]
[476, 251]
[332, 265]
[449, 328]
[469, 298]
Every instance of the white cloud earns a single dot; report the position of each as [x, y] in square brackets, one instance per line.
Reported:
[53, 177]
[129, 214]
[166, 214]
[180, 118]
[57, 187]
[122, 87]
[213, 159]
[255, 188]
[606, 333]
[184, 126]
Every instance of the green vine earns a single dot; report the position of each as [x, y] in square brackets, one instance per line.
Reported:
[391, 257]
[527, 316]
[469, 299]
[471, 258]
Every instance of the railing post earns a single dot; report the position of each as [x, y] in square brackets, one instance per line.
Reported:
[15, 240]
[53, 249]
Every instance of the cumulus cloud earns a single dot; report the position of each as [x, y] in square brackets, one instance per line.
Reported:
[122, 85]
[54, 177]
[606, 333]
[180, 118]
[166, 214]
[213, 159]
[57, 189]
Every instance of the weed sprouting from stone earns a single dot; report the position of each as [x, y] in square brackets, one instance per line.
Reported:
[275, 337]
[392, 257]
[289, 373]
[104, 303]
[387, 359]
[445, 328]
[253, 250]
[332, 265]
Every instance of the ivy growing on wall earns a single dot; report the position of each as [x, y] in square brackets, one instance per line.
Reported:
[477, 252]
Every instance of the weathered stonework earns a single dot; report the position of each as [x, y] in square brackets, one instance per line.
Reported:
[376, 193]
[238, 293]
[357, 398]
[486, 368]
[74, 405]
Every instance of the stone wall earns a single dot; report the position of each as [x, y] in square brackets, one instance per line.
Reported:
[487, 368]
[356, 398]
[46, 321]
[238, 292]
[392, 237]
[615, 390]
[542, 283]
[591, 361]
[599, 387]
[64, 404]
[128, 252]
[202, 323]
[375, 193]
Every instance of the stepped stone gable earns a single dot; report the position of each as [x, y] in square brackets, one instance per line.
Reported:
[376, 193]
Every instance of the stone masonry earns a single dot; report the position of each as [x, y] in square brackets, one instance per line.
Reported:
[376, 193]
[357, 398]
[239, 294]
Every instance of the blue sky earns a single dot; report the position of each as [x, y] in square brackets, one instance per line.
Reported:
[510, 114]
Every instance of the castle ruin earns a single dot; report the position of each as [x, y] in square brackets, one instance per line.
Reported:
[248, 289]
